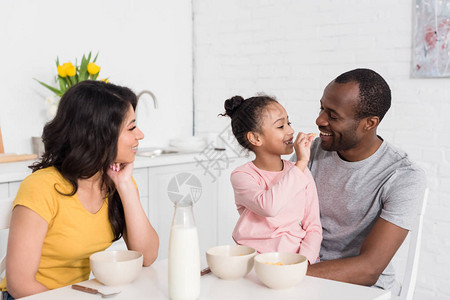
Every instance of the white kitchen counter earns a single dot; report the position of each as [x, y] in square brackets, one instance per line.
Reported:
[14, 171]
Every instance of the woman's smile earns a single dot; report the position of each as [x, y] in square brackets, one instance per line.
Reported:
[129, 138]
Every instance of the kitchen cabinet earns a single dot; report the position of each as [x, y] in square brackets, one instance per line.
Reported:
[215, 212]
[140, 175]
[8, 191]
[227, 216]
[161, 208]
[3, 190]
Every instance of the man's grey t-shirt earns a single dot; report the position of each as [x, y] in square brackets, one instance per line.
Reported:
[352, 195]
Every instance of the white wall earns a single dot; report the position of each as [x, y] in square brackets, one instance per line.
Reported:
[141, 44]
[293, 49]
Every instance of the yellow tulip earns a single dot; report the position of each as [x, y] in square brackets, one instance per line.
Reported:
[105, 80]
[93, 68]
[70, 69]
[62, 71]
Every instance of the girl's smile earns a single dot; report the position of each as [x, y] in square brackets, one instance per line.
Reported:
[290, 142]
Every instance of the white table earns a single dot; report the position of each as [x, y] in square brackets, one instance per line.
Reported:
[153, 284]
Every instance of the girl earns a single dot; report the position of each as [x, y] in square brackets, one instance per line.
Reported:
[81, 195]
[276, 199]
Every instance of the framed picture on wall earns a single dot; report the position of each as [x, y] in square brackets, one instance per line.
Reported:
[431, 38]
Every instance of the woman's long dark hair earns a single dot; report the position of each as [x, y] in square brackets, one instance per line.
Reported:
[82, 139]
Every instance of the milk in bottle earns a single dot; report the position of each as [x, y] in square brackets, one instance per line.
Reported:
[184, 255]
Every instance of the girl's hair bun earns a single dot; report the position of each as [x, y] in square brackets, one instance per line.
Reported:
[232, 104]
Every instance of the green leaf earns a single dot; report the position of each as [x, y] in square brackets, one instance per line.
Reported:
[70, 80]
[54, 90]
[83, 74]
[62, 83]
[95, 57]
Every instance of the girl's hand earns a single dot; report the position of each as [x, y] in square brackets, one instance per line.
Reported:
[120, 173]
[302, 146]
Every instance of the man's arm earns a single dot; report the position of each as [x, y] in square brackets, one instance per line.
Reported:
[376, 252]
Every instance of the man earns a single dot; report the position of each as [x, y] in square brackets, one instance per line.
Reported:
[368, 190]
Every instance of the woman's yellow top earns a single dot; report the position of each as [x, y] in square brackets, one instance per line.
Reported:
[73, 232]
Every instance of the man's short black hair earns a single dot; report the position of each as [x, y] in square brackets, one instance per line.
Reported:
[374, 92]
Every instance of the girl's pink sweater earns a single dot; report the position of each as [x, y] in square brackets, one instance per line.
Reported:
[279, 211]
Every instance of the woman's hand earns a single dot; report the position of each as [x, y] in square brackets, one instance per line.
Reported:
[302, 146]
[139, 234]
[120, 173]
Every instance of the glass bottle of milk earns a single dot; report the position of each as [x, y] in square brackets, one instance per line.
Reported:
[184, 255]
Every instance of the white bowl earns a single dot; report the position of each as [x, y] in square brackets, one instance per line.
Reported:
[230, 261]
[289, 274]
[116, 267]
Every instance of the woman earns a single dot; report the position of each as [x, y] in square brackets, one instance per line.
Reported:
[81, 196]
